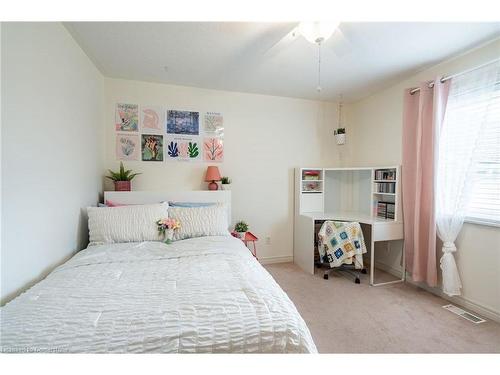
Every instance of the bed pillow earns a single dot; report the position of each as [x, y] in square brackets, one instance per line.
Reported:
[200, 221]
[125, 223]
[191, 204]
[109, 203]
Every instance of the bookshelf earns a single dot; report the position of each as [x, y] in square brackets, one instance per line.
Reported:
[311, 187]
[385, 189]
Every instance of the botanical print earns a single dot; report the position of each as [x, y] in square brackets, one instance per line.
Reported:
[173, 149]
[214, 123]
[193, 150]
[127, 147]
[152, 147]
[213, 149]
[152, 119]
[127, 117]
[183, 149]
[183, 122]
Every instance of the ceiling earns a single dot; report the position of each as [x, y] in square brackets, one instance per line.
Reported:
[252, 57]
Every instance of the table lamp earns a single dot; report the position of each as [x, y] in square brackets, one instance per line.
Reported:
[212, 176]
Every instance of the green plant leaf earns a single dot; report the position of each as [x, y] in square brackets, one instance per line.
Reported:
[132, 176]
[241, 226]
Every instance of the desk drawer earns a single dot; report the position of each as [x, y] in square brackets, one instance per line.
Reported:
[388, 232]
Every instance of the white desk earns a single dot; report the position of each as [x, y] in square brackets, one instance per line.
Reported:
[381, 230]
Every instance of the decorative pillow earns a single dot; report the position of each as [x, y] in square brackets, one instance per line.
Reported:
[200, 221]
[191, 204]
[109, 203]
[125, 224]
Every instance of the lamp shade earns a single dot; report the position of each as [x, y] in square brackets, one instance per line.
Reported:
[212, 174]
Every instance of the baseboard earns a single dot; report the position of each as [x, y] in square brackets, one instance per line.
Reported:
[457, 300]
[278, 259]
[466, 303]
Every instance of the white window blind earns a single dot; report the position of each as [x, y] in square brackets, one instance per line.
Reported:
[473, 115]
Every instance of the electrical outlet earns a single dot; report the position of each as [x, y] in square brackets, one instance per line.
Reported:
[268, 240]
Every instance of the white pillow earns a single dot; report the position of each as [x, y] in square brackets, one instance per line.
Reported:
[125, 223]
[200, 221]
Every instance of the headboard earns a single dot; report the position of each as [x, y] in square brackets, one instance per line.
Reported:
[146, 197]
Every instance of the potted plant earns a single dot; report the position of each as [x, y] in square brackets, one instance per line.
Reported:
[225, 183]
[340, 135]
[122, 178]
[241, 229]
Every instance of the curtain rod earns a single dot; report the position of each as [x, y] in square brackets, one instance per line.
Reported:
[446, 78]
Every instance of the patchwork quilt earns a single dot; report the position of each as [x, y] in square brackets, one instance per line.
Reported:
[341, 243]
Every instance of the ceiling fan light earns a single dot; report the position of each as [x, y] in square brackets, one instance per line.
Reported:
[317, 32]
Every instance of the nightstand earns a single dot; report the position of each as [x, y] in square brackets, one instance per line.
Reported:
[249, 238]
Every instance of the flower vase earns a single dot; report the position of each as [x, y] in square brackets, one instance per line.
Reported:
[226, 187]
[169, 236]
[241, 235]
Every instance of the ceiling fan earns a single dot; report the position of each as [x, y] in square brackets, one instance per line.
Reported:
[317, 32]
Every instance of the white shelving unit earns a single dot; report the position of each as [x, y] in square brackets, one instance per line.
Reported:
[347, 194]
[385, 192]
[311, 198]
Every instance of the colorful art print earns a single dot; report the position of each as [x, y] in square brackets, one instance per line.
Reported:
[214, 123]
[127, 117]
[127, 147]
[152, 147]
[184, 149]
[213, 149]
[183, 122]
[152, 119]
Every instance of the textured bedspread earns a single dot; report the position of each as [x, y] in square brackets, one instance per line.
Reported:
[198, 295]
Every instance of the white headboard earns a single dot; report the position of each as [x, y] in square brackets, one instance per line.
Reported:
[146, 197]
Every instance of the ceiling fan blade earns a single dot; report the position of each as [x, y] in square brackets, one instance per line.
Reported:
[340, 44]
[283, 43]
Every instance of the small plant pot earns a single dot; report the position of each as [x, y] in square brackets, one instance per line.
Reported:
[169, 236]
[340, 138]
[226, 186]
[122, 185]
[241, 235]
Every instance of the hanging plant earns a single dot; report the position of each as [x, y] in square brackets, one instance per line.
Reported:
[339, 136]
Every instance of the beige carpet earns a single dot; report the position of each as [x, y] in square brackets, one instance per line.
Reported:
[354, 318]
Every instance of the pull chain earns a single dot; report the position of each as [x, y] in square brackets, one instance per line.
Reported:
[319, 67]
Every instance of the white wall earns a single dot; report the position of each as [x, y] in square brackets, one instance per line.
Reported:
[374, 137]
[265, 138]
[52, 97]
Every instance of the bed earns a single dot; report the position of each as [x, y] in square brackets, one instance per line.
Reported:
[198, 295]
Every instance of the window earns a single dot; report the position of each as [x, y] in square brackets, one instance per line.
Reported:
[471, 136]
[484, 205]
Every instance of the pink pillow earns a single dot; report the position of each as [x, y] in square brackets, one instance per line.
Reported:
[114, 204]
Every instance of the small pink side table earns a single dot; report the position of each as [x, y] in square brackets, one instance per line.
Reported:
[249, 237]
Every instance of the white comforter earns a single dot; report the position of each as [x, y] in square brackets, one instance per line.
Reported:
[198, 295]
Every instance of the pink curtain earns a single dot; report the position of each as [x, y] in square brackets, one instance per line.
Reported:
[423, 112]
